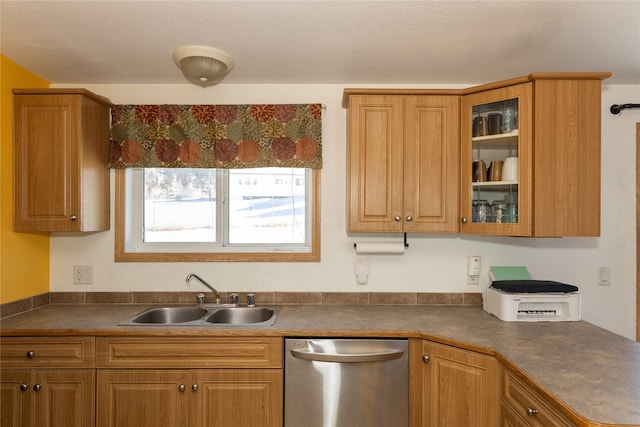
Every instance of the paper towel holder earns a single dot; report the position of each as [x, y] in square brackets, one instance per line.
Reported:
[406, 244]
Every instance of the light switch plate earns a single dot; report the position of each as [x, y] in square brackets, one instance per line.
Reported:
[362, 272]
[604, 276]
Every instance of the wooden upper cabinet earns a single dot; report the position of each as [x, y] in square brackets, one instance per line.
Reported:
[566, 157]
[479, 197]
[402, 163]
[61, 143]
[557, 142]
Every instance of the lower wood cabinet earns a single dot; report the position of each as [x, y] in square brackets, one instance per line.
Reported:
[47, 397]
[459, 387]
[47, 382]
[189, 382]
[235, 382]
[522, 406]
[190, 398]
[508, 418]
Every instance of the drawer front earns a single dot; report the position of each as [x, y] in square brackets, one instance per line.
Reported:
[530, 405]
[250, 352]
[33, 352]
[508, 418]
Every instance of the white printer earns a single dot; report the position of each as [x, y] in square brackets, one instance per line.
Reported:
[525, 300]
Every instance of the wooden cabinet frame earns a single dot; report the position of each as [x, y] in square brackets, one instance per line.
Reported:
[189, 381]
[459, 387]
[61, 180]
[47, 381]
[559, 131]
[402, 165]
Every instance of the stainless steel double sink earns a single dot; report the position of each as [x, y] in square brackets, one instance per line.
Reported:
[212, 315]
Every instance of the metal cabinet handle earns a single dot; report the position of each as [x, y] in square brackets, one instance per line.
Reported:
[24, 387]
[31, 354]
[181, 387]
[531, 411]
[464, 220]
[409, 218]
[73, 217]
[425, 359]
[194, 387]
[397, 218]
[347, 358]
[37, 387]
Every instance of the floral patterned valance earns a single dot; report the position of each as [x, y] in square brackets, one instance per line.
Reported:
[216, 136]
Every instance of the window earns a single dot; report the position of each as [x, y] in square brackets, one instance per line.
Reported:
[264, 214]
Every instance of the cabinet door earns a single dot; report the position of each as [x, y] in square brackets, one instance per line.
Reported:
[15, 397]
[431, 163]
[143, 398]
[46, 162]
[61, 179]
[567, 157]
[483, 202]
[460, 388]
[238, 398]
[374, 164]
[64, 398]
[48, 397]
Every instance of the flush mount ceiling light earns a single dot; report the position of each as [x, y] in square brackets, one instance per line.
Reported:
[203, 65]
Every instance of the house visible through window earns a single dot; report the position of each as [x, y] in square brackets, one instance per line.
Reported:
[207, 212]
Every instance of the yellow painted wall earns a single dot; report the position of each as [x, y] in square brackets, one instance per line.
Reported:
[24, 257]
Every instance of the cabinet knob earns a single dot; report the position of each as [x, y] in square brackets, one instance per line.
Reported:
[531, 411]
[425, 359]
[194, 387]
[23, 387]
[398, 218]
[181, 387]
[73, 217]
[409, 218]
[464, 220]
[37, 387]
[31, 354]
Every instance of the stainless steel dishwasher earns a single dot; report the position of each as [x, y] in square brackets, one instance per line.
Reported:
[346, 383]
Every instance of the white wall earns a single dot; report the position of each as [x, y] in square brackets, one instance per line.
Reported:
[434, 263]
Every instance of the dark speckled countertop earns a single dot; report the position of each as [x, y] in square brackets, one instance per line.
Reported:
[591, 370]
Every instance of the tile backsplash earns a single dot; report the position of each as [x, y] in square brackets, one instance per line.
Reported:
[278, 298]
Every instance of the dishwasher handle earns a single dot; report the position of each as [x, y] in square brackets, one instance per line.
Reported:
[346, 357]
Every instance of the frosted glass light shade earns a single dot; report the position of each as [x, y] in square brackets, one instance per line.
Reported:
[202, 65]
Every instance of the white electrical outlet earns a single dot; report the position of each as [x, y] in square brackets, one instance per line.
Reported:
[473, 270]
[473, 265]
[82, 274]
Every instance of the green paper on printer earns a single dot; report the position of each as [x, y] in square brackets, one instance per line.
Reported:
[509, 273]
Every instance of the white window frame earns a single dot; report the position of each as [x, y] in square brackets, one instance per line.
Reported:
[130, 247]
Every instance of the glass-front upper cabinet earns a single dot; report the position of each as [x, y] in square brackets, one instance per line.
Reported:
[495, 161]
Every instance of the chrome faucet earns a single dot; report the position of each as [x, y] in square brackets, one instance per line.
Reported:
[204, 282]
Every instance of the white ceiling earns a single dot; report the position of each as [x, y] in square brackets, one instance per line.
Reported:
[357, 42]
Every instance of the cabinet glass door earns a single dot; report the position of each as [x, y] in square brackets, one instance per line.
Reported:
[495, 162]
[495, 156]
